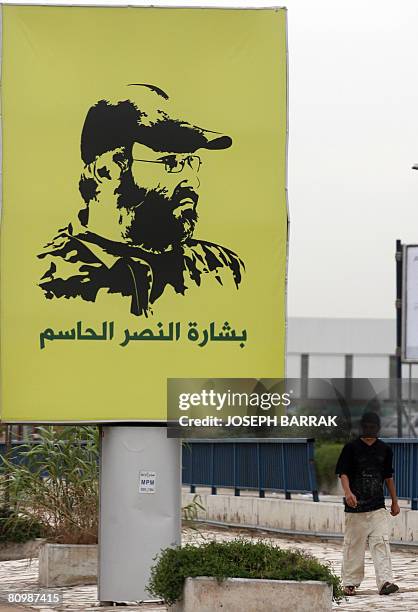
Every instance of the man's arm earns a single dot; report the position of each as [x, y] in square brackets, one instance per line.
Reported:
[394, 509]
[388, 476]
[350, 498]
[343, 468]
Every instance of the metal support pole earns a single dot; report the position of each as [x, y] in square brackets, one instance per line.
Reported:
[304, 375]
[348, 366]
[414, 477]
[392, 377]
[346, 403]
[411, 427]
[140, 507]
[8, 441]
[399, 336]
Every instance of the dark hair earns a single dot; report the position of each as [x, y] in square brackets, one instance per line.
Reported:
[370, 417]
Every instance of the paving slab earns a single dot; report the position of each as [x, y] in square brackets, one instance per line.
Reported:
[12, 608]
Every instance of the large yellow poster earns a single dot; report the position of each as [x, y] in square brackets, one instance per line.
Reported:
[144, 221]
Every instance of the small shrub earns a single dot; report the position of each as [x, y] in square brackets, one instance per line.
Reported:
[326, 457]
[235, 559]
[16, 528]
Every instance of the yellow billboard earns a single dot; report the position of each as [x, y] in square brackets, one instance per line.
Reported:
[144, 221]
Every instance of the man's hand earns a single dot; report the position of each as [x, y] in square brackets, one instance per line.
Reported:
[394, 508]
[351, 499]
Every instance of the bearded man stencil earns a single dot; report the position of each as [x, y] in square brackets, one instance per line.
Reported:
[140, 186]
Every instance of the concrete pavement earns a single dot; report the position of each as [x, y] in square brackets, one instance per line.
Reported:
[22, 575]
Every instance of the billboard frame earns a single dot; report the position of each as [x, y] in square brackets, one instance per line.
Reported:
[404, 304]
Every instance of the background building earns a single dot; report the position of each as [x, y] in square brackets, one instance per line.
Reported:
[340, 348]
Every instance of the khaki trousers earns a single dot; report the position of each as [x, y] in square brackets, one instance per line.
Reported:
[362, 528]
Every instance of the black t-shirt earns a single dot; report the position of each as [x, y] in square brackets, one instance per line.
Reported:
[366, 466]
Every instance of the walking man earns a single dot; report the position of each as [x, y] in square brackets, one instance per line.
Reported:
[363, 466]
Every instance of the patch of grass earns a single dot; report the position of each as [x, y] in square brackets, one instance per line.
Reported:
[235, 559]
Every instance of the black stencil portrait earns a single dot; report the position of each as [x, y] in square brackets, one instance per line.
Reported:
[134, 235]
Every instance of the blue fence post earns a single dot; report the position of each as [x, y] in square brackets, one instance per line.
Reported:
[261, 491]
[414, 473]
[192, 487]
[212, 477]
[236, 489]
[311, 470]
[284, 471]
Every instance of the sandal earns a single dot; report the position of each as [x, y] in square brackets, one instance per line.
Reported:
[349, 590]
[388, 588]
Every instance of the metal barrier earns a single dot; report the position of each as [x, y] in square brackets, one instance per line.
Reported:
[15, 454]
[405, 464]
[281, 464]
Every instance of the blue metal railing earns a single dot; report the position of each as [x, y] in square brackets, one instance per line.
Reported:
[280, 464]
[15, 451]
[16, 456]
[405, 465]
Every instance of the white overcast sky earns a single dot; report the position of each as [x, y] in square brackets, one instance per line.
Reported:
[353, 137]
